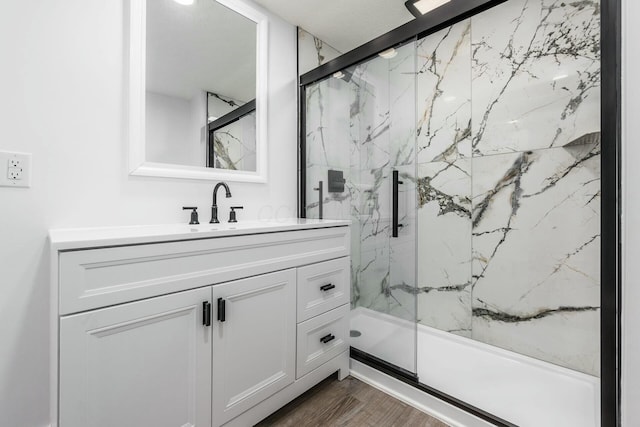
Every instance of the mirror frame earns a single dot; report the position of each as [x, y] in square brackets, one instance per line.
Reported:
[138, 165]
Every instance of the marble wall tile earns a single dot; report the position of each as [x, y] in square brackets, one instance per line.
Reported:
[402, 92]
[444, 94]
[536, 75]
[313, 52]
[235, 144]
[536, 249]
[444, 245]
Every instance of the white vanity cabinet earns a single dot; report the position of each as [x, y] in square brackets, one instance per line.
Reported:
[195, 327]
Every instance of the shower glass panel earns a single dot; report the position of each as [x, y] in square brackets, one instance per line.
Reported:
[490, 292]
[361, 123]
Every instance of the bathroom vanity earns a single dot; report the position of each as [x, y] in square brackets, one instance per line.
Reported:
[203, 325]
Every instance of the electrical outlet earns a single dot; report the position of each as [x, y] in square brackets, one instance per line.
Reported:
[15, 169]
[14, 173]
[15, 162]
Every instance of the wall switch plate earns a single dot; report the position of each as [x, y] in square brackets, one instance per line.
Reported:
[15, 169]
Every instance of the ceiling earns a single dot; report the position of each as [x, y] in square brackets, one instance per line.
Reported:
[343, 24]
[205, 46]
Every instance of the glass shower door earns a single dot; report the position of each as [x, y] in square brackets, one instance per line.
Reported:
[361, 123]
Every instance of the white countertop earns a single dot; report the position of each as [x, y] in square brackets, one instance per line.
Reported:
[79, 238]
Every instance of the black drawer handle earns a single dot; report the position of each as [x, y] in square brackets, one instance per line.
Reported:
[206, 313]
[327, 287]
[222, 312]
[327, 338]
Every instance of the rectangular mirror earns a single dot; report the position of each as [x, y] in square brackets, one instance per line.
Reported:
[198, 89]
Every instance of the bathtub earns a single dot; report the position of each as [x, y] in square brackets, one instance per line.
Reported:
[522, 390]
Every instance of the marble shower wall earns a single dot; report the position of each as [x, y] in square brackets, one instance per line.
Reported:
[313, 52]
[509, 180]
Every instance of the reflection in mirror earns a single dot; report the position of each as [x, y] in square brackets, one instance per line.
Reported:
[193, 50]
[198, 89]
[232, 137]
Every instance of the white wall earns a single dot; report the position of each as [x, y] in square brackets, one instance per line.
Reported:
[174, 129]
[64, 100]
[631, 214]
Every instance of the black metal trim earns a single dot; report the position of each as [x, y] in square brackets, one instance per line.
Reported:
[232, 116]
[446, 15]
[411, 379]
[610, 255]
[301, 161]
[411, 7]
[302, 153]
[383, 366]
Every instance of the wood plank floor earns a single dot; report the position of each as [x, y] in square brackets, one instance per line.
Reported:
[348, 403]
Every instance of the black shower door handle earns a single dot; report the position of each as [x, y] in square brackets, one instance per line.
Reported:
[394, 207]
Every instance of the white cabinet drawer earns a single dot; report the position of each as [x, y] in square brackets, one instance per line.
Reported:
[321, 339]
[322, 287]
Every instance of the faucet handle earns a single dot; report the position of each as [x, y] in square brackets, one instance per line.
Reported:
[232, 214]
[194, 214]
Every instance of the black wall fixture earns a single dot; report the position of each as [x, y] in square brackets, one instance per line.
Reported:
[336, 181]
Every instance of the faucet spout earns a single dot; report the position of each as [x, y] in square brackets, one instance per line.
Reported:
[214, 206]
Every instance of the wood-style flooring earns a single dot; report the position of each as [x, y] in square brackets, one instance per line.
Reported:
[348, 403]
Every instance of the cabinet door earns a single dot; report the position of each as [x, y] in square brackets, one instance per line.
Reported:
[253, 343]
[146, 363]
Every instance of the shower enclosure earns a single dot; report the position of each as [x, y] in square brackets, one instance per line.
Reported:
[468, 160]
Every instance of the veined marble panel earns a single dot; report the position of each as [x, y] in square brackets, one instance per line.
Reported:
[313, 52]
[536, 74]
[328, 124]
[536, 252]
[235, 144]
[402, 98]
[444, 245]
[444, 94]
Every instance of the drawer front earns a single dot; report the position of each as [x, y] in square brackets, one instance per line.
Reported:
[100, 277]
[323, 287]
[322, 338]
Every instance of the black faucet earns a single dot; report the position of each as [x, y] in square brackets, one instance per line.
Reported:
[214, 207]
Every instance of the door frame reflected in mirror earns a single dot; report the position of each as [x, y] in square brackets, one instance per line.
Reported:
[138, 164]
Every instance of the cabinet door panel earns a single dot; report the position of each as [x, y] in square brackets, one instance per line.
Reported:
[254, 348]
[146, 363]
